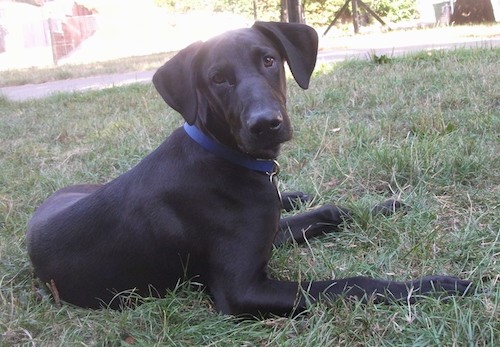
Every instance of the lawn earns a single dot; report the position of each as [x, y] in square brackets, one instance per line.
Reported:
[423, 128]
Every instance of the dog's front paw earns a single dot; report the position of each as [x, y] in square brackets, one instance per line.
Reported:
[388, 207]
[291, 199]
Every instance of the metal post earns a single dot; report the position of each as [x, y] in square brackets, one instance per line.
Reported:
[337, 16]
[370, 11]
[52, 43]
[355, 16]
[294, 11]
[284, 11]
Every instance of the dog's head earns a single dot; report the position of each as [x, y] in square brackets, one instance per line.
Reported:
[233, 85]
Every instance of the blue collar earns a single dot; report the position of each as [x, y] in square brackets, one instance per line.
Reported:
[263, 165]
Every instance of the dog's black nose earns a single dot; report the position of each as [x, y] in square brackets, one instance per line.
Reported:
[265, 123]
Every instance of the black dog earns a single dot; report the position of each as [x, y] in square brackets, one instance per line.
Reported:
[203, 205]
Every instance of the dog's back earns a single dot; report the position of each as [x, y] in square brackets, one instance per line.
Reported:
[95, 241]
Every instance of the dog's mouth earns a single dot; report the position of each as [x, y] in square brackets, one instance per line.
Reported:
[266, 153]
[263, 148]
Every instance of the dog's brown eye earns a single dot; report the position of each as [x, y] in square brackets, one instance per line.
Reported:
[218, 78]
[268, 61]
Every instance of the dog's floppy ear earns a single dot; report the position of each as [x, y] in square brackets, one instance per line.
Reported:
[175, 81]
[299, 45]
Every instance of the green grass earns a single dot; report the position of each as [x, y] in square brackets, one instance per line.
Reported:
[422, 128]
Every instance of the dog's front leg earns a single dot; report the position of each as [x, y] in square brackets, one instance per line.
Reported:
[265, 296]
[269, 296]
[314, 223]
[366, 289]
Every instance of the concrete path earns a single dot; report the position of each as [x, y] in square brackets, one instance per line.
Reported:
[364, 53]
[37, 91]
[354, 49]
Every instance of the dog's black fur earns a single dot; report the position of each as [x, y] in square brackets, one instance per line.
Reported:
[185, 213]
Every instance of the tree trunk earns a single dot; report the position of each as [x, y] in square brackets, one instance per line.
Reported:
[473, 11]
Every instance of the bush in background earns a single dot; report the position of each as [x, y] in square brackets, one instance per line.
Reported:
[317, 12]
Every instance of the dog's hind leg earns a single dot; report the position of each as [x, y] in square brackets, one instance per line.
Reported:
[290, 200]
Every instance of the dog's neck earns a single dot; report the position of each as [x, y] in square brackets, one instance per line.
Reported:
[268, 166]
